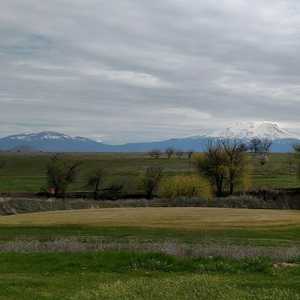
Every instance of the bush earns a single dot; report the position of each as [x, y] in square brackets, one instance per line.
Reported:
[184, 186]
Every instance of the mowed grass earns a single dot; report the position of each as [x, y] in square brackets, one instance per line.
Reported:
[188, 218]
[257, 227]
[26, 172]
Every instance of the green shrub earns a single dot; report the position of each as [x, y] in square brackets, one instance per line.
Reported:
[184, 186]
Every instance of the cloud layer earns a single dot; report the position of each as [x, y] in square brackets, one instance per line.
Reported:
[135, 70]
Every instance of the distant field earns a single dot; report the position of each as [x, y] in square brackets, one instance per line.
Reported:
[26, 172]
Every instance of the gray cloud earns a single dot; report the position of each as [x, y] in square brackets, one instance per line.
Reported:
[136, 70]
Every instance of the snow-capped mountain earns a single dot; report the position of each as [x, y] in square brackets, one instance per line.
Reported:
[48, 141]
[282, 140]
[45, 135]
[250, 130]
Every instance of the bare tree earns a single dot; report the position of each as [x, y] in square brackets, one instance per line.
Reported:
[223, 164]
[61, 173]
[190, 154]
[151, 180]
[244, 147]
[170, 152]
[265, 145]
[260, 145]
[95, 181]
[155, 153]
[212, 165]
[254, 145]
[235, 163]
[297, 148]
[297, 157]
[179, 153]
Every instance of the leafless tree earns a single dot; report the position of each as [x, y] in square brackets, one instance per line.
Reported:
[260, 145]
[223, 164]
[190, 154]
[297, 157]
[265, 145]
[179, 153]
[212, 165]
[155, 153]
[95, 181]
[235, 163]
[297, 148]
[254, 145]
[151, 180]
[170, 152]
[61, 172]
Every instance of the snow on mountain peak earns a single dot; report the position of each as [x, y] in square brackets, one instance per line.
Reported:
[250, 130]
[45, 135]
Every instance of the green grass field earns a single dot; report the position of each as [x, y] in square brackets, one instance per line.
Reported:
[136, 275]
[26, 172]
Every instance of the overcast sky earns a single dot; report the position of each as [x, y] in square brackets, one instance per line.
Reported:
[137, 70]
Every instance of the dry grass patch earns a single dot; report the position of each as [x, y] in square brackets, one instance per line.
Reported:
[175, 218]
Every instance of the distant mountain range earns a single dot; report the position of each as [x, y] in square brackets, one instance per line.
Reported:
[250, 130]
[283, 140]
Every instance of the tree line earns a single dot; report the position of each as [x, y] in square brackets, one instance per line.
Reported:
[224, 165]
[170, 152]
[256, 145]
